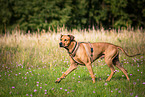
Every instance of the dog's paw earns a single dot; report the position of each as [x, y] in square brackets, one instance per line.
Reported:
[107, 80]
[57, 81]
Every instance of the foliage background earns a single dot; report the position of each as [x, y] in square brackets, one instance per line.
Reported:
[31, 15]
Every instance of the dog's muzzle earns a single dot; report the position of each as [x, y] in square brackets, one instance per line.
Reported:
[60, 44]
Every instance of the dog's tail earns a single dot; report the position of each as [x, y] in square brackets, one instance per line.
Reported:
[126, 53]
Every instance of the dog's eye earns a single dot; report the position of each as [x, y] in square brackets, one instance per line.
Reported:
[65, 40]
[60, 39]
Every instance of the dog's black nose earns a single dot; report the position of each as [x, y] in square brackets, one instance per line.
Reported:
[60, 44]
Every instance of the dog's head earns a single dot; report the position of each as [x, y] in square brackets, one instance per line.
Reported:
[65, 40]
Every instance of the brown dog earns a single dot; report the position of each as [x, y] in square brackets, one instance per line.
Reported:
[86, 53]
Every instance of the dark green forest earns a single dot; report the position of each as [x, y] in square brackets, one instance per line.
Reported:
[79, 14]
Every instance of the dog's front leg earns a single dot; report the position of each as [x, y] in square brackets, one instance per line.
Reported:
[71, 68]
[88, 65]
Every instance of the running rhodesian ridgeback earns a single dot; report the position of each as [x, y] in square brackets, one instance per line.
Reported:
[85, 53]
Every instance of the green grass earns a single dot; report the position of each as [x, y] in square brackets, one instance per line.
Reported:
[78, 83]
[30, 64]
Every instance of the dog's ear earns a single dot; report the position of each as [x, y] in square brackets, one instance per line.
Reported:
[71, 37]
[61, 36]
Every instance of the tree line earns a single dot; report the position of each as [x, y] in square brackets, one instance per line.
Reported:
[79, 14]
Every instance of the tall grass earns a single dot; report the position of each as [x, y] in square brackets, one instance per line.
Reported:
[30, 63]
[39, 49]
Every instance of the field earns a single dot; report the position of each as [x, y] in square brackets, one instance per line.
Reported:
[30, 64]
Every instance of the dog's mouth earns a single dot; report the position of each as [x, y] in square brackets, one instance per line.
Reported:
[62, 45]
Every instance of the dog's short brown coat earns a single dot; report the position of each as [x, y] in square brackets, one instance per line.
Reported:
[107, 50]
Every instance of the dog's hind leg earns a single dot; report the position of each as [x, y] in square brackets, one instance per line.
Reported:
[109, 56]
[119, 66]
[110, 65]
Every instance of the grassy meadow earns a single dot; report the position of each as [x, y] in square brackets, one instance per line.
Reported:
[30, 64]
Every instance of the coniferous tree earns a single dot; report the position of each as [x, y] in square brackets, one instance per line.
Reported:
[49, 14]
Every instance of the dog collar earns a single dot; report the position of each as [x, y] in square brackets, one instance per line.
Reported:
[73, 52]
